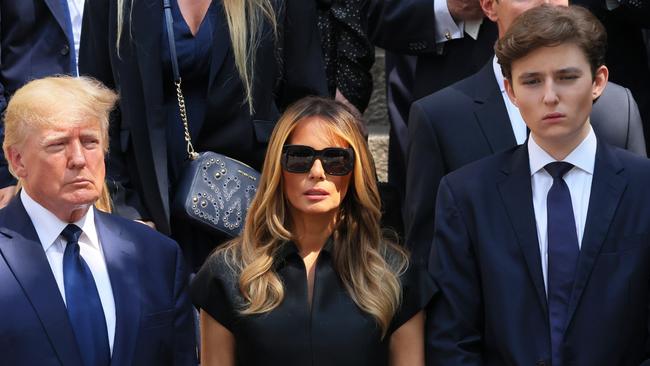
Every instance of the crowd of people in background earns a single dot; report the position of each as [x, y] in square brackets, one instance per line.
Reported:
[517, 174]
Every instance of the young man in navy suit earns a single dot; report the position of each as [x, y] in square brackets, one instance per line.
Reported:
[474, 118]
[542, 252]
[79, 287]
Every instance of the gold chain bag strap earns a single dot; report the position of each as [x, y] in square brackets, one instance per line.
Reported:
[214, 190]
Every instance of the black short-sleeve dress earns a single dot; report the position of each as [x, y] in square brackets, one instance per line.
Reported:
[333, 331]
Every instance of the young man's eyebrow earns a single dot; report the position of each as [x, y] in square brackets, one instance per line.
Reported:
[569, 70]
[529, 74]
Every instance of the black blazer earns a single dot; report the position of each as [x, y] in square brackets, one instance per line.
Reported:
[468, 121]
[492, 307]
[35, 42]
[408, 27]
[137, 165]
[402, 26]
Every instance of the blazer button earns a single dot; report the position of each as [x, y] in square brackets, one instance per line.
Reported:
[65, 50]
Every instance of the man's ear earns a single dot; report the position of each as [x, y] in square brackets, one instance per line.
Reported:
[15, 160]
[511, 92]
[489, 8]
[600, 82]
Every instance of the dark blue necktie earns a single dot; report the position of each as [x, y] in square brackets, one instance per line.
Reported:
[84, 306]
[563, 254]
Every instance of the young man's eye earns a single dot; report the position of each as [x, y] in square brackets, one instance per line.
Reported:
[568, 77]
[530, 82]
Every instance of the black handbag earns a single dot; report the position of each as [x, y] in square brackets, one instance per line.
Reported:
[214, 190]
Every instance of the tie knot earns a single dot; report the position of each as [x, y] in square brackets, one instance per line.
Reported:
[71, 233]
[558, 169]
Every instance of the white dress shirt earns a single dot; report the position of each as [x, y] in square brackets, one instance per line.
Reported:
[516, 121]
[49, 228]
[76, 9]
[447, 28]
[578, 179]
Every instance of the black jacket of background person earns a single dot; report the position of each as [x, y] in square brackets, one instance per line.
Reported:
[137, 164]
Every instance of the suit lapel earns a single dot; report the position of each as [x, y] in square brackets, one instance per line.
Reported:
[491, 112]
[119, 254]
[26, 259]
[607, 187]
[516, 193]
[59, 12]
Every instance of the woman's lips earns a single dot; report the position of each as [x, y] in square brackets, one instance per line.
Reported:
[316, 194]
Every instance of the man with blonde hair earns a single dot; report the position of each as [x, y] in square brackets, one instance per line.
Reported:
[79, 286]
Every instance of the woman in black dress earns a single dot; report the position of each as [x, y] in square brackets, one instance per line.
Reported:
[312, 280]
[241, 62]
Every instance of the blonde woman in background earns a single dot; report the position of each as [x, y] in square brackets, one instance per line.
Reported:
[313, 280]
[241, 62]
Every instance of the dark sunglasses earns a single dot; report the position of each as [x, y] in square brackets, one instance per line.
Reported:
[300, 158]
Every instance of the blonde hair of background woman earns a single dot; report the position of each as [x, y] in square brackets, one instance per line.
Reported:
[245, 23]
[369, 264]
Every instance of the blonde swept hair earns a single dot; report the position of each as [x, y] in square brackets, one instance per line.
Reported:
[59, 101]
[246, 19]
[368, 264]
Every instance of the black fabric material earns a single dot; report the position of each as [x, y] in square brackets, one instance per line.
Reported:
[138, 172]
[347, 53]
[335, 331]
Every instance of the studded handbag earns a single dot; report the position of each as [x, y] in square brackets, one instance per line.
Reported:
[214, 190]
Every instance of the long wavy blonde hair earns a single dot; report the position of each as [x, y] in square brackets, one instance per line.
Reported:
[368, 264]
[246, 20]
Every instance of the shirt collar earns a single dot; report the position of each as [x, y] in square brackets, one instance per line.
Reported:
[582, 157]
[498, 74]
[49, 227]
[289, 248]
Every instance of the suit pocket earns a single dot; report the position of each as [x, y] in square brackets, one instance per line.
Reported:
[158, 319]
[263, 129]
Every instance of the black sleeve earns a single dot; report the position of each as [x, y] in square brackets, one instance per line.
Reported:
[425, 168]
[302, 64]
[215, 289]
[97, 41]
[354, 52]
[402, 26]
[418, 289]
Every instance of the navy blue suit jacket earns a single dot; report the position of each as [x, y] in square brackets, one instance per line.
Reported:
[492, 307]
[35, 41]
[468, 121]
[152, 307]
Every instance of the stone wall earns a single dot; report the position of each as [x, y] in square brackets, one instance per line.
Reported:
[376, 117]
